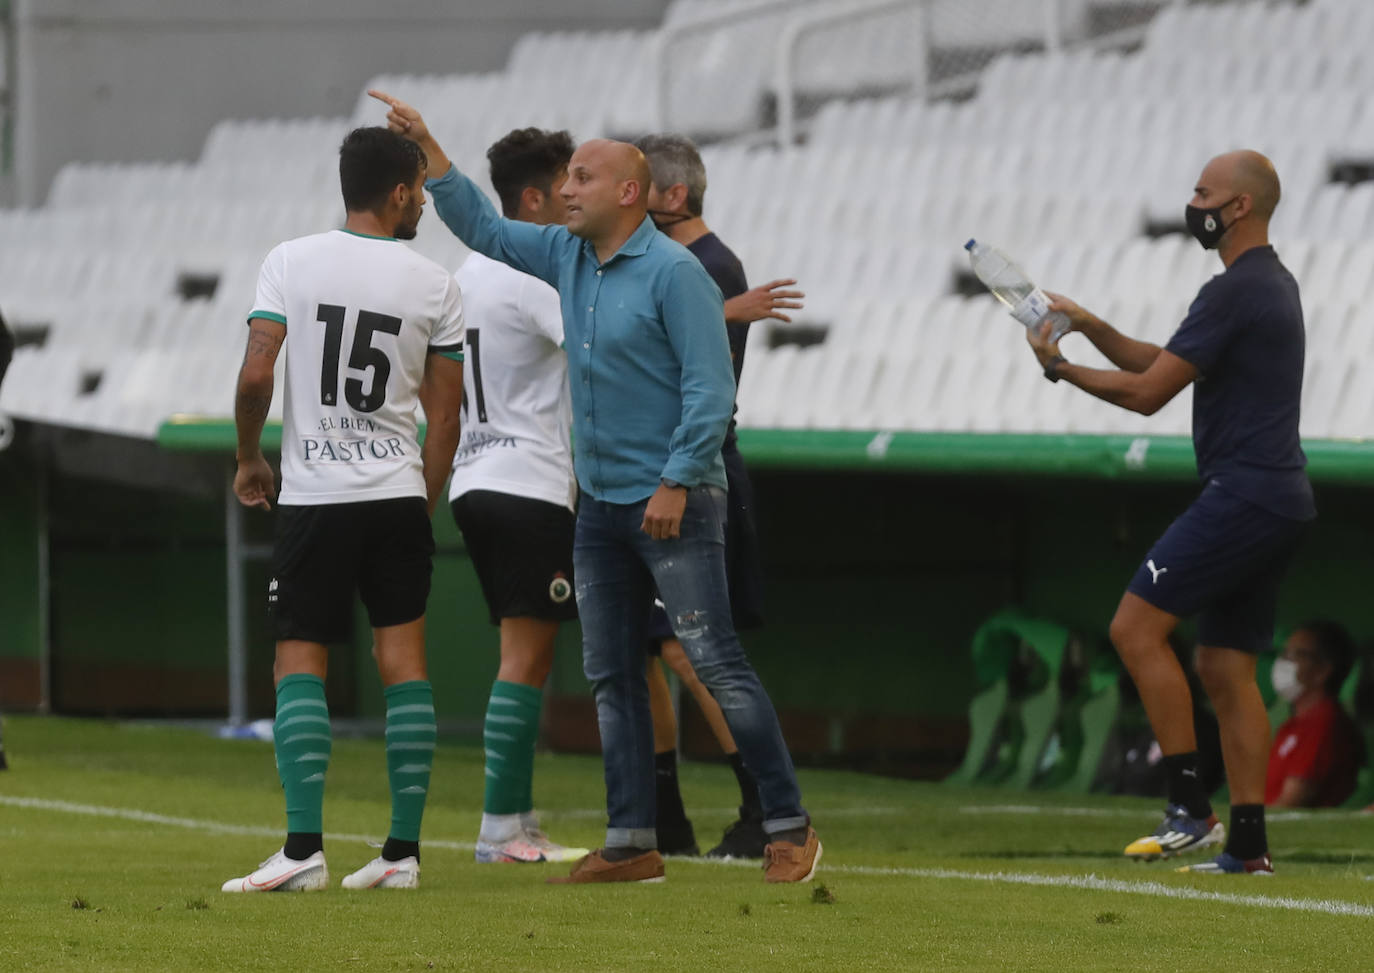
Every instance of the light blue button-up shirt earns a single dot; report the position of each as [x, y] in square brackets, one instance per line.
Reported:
[648, 356]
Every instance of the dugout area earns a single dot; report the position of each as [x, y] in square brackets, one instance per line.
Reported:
[883, 554]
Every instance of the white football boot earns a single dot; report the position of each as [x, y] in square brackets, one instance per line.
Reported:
[282, 874]
[382, 874]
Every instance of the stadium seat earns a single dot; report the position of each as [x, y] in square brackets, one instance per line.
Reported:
[1060, 158]
[1085, 725]
[1023, 719]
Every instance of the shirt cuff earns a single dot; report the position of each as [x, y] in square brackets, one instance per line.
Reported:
[682, 470]
[450, 176]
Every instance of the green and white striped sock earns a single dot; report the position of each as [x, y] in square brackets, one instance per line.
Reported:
[410, 733]
[510, 733]
[303, 742]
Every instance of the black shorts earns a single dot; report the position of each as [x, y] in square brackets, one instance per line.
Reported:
[743, 560]
[522, 550]
[1222, 560]
[382, 549]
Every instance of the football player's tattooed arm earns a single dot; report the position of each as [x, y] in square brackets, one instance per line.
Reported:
[254, 482]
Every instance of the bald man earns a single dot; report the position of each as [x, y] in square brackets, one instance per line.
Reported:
[1223, 559]
[652, 393]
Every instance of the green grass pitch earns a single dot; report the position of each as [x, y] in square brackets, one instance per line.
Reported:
[114, 839]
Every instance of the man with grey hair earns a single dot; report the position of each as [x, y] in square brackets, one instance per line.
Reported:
[676, 193]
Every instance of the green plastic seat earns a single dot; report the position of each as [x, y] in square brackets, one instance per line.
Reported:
[1017, 726]
[1085, 727]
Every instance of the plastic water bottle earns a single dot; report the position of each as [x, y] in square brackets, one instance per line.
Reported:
[1010, 285]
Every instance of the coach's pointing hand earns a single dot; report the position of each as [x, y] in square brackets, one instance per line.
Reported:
[404, 119]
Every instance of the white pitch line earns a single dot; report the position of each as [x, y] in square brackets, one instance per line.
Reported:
[580, 813]
[1322, 815]
[1333, 907]
[194, 824]
[1094, 883]
[1079, 812]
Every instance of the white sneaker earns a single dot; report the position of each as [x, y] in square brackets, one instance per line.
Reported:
[518, 849]
[552, 850]
[382, 874]
[282, 874]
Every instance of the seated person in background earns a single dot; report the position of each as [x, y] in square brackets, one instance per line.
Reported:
[1318, 751]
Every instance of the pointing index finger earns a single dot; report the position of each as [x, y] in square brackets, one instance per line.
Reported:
[384, 97]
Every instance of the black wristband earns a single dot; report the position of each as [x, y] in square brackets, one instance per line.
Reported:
[1052, 365]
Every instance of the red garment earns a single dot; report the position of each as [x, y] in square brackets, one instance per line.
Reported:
[1323, 747]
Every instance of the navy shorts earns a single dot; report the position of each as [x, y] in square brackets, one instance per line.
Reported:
[743, 562]
[1222, 560]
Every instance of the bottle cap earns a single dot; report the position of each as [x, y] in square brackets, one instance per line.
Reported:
[969, 245]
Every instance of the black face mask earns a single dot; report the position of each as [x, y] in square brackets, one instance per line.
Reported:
[1205, 224]
[663, 219]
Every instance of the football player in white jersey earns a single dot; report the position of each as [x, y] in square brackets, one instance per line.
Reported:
[513, 492]
[370, 328]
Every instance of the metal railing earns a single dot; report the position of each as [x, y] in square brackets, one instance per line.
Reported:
[673, 34]
[811, 15]
[797, 28]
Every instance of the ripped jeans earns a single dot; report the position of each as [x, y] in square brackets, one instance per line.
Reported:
[616, 566]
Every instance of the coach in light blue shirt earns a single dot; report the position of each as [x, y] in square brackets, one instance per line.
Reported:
[644, 327]
[652, 391]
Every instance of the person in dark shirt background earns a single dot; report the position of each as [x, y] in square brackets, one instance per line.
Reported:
[676, 195]
[1242, 347]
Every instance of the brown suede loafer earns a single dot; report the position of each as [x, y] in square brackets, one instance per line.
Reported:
[784, 861]
[647, 867]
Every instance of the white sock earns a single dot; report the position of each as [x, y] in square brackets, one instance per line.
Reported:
[498, 828]
[529, 821]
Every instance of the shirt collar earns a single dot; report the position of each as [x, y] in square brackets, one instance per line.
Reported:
[1264, 251]
[636, 246]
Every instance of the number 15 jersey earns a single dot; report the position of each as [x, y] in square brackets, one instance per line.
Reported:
[361, 313]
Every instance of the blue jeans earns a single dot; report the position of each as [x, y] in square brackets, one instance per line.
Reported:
[616, 566]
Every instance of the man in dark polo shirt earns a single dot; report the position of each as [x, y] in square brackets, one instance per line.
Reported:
[677, 193]
[1222, 560]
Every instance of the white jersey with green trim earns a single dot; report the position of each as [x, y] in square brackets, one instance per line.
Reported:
[517, 412]
[362, 314]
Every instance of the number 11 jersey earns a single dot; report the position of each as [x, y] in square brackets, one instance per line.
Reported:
[361, 313]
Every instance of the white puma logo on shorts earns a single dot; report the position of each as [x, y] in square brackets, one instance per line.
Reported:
[1155, 572]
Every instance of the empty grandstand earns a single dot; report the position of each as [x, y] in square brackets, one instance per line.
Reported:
[1074, 158]
[852, 144]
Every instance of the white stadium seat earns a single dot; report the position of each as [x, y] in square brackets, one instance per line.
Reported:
[1063, 159]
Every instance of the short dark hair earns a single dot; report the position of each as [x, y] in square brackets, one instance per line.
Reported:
[1336, 648]
[372, 162]
[527, 157]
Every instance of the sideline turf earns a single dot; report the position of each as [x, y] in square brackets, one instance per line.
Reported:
[151, 899]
